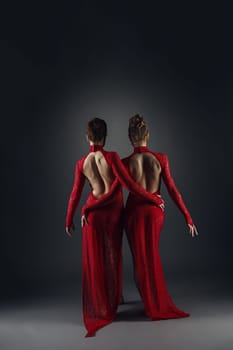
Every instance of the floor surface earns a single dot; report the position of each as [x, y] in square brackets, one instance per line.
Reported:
[56, 323]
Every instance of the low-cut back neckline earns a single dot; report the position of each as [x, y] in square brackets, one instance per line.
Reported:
[145, 149]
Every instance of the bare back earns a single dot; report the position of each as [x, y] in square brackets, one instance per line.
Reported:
[98, 172]
[145, 170]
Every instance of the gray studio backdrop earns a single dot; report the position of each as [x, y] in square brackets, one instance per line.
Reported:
[60, 73]
[41, 257]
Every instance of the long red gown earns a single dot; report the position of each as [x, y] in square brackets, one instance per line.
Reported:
[102, 241]
[144, 223]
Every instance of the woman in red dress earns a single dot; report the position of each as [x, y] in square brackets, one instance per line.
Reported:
[102, 226]
[144, 222]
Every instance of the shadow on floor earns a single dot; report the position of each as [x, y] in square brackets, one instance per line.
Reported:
[132, 311]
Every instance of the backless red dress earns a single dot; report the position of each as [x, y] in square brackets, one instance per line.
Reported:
[102, 241]
[144, 223]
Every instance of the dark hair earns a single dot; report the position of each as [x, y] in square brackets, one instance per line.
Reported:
[97, 130]
[138, 129]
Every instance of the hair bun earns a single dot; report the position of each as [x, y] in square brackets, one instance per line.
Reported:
[141, 124]
[137, 122]
[137, 129]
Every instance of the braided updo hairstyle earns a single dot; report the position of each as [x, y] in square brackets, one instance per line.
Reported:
[138, 129]
[97, 130]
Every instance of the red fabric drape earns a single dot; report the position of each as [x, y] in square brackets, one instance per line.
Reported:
[102, 263]
[144, 223]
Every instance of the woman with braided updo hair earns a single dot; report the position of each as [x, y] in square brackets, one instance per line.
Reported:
[144, 222]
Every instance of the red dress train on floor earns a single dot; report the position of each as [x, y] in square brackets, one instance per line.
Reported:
[144, 223]
[102, 241]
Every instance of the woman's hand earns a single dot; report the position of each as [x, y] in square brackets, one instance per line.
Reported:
[162, 206]
[192, 230]
[68, 230]
[84, 220]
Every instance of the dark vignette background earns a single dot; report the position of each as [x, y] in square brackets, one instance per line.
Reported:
[63, 63]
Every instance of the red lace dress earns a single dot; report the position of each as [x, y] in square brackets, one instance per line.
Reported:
[144, 223]
[102, 241]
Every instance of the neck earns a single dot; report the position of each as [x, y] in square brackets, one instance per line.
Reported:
[142, 143]
[96, 147]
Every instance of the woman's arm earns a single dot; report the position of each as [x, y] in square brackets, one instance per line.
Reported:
[122, 178]
[126, 180]
[79, 181]
[102, 201]
[173, 191]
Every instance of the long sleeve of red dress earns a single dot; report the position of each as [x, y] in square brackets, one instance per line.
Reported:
[172, 189]
[122, 177]
[127, 181]
[78, 184]
[102, 201]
